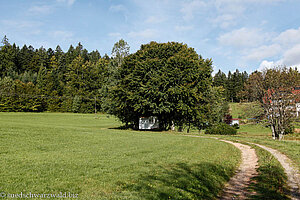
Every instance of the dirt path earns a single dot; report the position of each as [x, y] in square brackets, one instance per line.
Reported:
[291, 172]
[236, 187]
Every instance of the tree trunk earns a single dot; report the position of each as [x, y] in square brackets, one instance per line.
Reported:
[180, 128]
[281, 135]
[273, 132]
[188, 129]
[173, 126]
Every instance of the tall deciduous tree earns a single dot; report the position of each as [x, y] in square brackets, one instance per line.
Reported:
[274, 89]
[167, 80]
[120, 51]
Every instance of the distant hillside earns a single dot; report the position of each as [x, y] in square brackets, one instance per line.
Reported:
[245, 110]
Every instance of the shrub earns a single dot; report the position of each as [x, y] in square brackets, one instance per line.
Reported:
[221, 129]
[236, 126]
[289, 130]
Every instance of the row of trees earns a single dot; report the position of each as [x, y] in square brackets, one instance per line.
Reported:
[46, 80]
[233, 84]
[167, 80]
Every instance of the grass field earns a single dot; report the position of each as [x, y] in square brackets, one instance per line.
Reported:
[78, 153]
[244, 110]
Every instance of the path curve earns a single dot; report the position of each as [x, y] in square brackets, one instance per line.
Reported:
[291, 172]
[237, 186]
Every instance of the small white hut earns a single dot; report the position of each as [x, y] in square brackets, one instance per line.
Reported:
[235, 121]
[148, 123]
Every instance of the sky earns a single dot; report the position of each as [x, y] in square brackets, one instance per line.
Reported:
[247, 35]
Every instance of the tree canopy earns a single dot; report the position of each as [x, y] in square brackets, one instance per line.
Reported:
[50, 80]
[274, 89]
[167, 80]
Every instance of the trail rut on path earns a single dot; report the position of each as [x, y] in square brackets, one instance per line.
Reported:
[291, 172]
[236, 187]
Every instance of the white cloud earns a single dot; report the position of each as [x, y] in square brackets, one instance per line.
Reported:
[288, 45]
[43, 9]
[189, 8]
[268, 65]
[268, 48]
[263, 52]
[68, 2]
[229, 12]
[292, 56]
[144, 34]
[288, 37]
[243, 38]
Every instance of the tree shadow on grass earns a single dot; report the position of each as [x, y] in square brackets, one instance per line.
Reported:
[124, 127]
[270, 183]
[181, 181]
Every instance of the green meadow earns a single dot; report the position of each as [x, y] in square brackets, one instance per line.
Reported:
[88, 155]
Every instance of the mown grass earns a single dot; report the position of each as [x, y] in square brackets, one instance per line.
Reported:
[236, 109]
[255, 130]
[80, 154]
[241, 110]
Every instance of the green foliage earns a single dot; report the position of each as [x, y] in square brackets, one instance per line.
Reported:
[54, 78]
[19, 96]
[289, 129]
[274, 89]
[120, 51]
[167, 80]
[5, 41]
[76, 104]
[233, 83]
[252, 111]
[221, 129]
[218, 105]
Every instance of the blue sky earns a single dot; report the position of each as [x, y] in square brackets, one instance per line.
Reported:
[243, 34]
